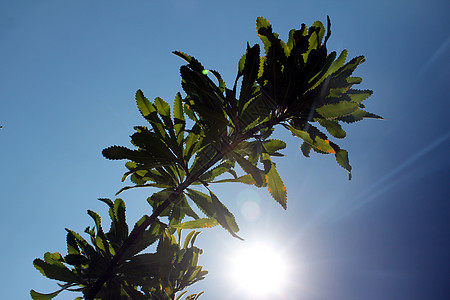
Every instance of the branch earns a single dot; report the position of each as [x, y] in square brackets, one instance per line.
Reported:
[139, 230]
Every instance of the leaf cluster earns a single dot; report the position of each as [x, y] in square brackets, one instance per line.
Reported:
[212, 134]
[159, 275]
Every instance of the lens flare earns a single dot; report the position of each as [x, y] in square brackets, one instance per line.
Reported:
[259, 270]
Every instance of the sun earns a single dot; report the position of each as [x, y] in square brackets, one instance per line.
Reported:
[259, 270]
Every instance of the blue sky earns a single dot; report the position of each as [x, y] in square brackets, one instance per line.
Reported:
[69, 71]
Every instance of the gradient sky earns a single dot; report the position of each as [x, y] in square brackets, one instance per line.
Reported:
[68, 74]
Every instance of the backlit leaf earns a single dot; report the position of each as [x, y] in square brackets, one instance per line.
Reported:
[276, 186]
[333, 128]
[335, 110]
[39, 296]
[342, 159]
[200, 223]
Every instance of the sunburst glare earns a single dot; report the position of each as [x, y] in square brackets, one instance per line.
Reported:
[259, 270]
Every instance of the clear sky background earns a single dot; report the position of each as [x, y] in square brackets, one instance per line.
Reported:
[68, 74]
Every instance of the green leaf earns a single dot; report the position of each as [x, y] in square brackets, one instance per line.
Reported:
[76, 260]
[354, 80]
[149, 112]
[217, 171]
[200, 223]
[247, 179]
[180, 295]
[149, 236]
[55, 271]
[203, 201]
[263, 23]
[144, 105]
[187, 239]
[179, 119]
[250, 73]
[119, 152]
[86, 249]
[72, 246]
[331, 68]
[203, 157]
[276, 186]
[39, 296]
[271, 146]
[224, 216]
[178, 108]
[342, 160]
[222, 87]
[338, 63]
[162, 107]
[100, 241]
[155, 148]
[120, 225]
[193, 63]
[358, 115]
[158, 199]
[359, 96]
[333, 128]
[306, 148]
[317, 141]
[336, 110]
[143, 157]
[213, 208]
[157, 185]
[249, 168]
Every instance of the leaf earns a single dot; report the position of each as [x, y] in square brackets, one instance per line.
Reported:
[249, 168]
[162, 107]
[247, 179]
[76, 260]
[213, 208]
[179, 119]
[100, 241]
[224, 216]
[333, 128]
[143, 157]
[86, 249]
[148, 111]
[149, 236]
[39, 296]
[250, 73]
[342, 160]
[217, 171]
[120, 225]
[276, 186]
[72, 246]
[187, 238]
[359, 96]
[331, 68]
[306, 148]
[144, 105]
[119, 152]
[180, 295]
[193, 63]
[358, 115]
[338, 63]
[222, 87]
[155, 148]
[54, 271]
[203, 201]
[200, 223]
[335, 110]
[314, 138]
[203, 157]
[263, 23]
[141, 266]
[273, 145]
